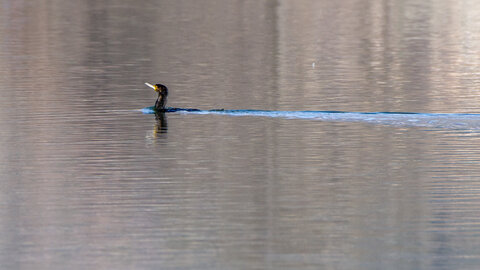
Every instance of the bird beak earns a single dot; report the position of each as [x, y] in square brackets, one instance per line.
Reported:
[152, 86]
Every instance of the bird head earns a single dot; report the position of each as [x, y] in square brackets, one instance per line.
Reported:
[159, 88]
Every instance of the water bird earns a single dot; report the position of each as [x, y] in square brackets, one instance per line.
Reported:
[469, 121]
[161, 101]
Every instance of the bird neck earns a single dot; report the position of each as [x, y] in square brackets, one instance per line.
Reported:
[161, 102]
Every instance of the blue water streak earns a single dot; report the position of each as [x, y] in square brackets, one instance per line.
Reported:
[433, 120]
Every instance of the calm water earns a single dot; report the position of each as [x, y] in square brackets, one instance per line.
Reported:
[90, 182]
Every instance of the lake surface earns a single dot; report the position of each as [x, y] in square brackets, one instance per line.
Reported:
[88, 181]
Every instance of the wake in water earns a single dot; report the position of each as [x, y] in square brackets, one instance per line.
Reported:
[431, 120]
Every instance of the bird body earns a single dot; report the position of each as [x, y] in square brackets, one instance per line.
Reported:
[161, 101]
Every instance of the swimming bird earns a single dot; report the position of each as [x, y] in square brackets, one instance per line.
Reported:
[162, 96]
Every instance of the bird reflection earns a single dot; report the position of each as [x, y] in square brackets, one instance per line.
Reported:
[161, 125]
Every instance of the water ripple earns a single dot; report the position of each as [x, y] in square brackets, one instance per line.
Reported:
[401, 119]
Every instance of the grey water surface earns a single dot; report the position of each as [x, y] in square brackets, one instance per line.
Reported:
[88, 181]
